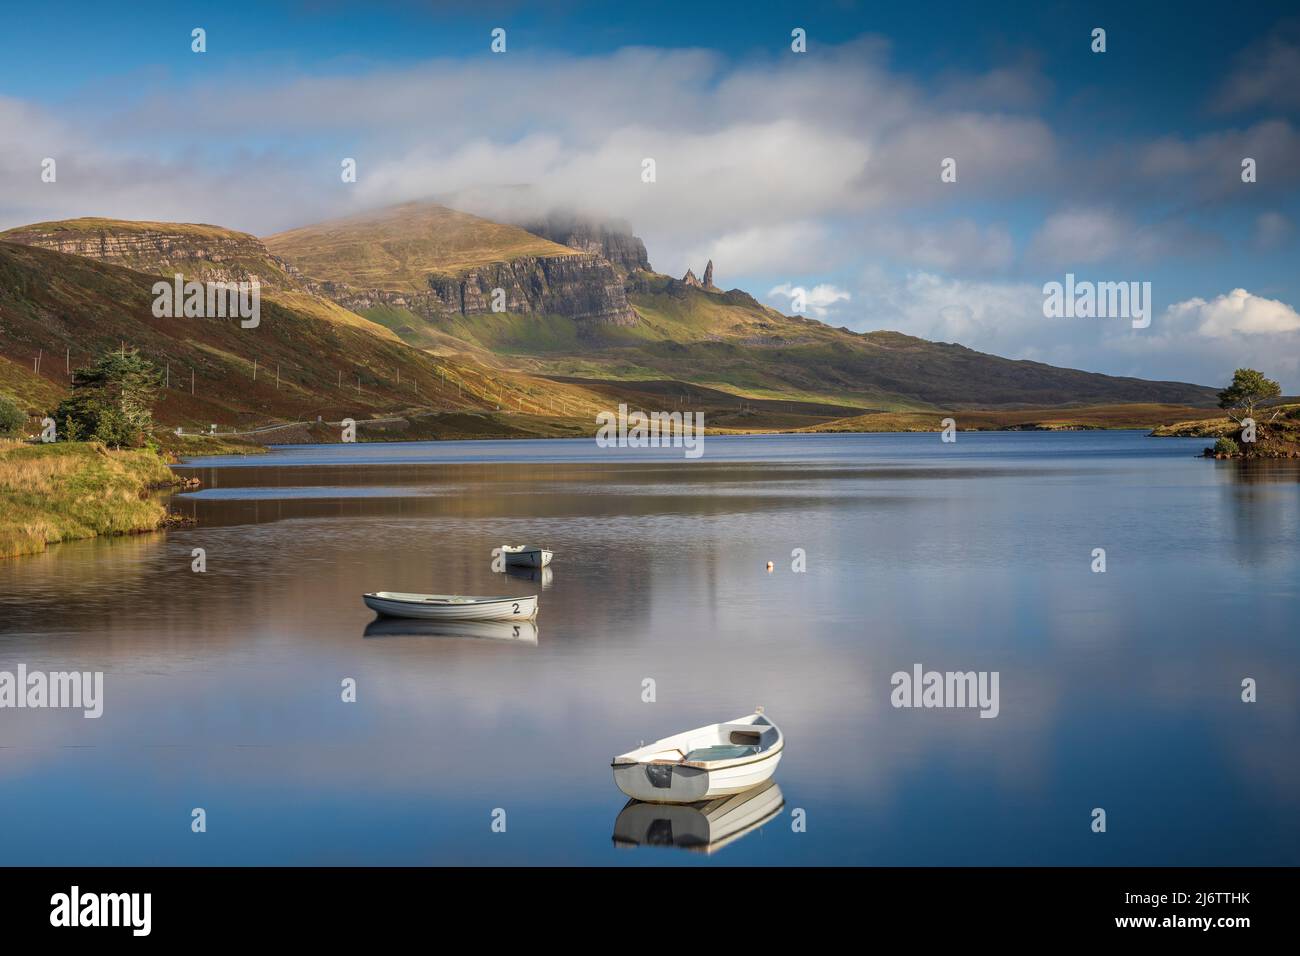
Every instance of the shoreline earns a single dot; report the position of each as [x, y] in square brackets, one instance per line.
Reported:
[500, 426]
[68, 491]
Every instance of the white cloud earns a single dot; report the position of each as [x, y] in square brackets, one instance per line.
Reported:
[739, 146]
[1237, 313]
[961, 246]
[1196, 340]
[1086, 235]
[817, 301]
[763, 249]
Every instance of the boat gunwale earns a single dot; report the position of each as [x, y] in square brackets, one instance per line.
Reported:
[622, 760]
[469, 600]
[704, 764]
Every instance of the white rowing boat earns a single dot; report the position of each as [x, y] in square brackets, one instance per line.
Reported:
[700, 764]
[451, 607]
[525, 556]
[511, 632]
[703, 827]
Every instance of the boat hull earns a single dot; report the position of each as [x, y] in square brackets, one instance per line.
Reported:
[504, 609]
[677, 783]
[533, 558]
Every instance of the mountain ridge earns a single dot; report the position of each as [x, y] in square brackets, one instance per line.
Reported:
[571, 314]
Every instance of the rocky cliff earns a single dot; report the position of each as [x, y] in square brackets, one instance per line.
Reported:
[581, 287]
[611, 240]
[438, 262]
[199, 252]
[706, 283]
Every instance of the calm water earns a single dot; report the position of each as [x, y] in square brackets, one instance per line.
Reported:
[1118, 690]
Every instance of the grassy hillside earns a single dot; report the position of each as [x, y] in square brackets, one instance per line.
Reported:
[730, 342]
[65, 310]
[65, 491]
[396, 248]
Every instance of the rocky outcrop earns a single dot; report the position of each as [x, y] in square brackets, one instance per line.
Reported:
[582, 287]
[706, 283]
[203, 253]
[611, 240]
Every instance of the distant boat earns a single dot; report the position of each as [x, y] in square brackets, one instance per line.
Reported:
[510, 632]
[451, 607]
[525, 556]
[700, 764]
[703, 827]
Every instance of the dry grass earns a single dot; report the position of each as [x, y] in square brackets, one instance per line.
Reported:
[397, 248]
[1138, 415]
[70, 490]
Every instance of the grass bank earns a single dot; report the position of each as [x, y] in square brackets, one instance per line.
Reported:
[1278, 433]
[70, 490]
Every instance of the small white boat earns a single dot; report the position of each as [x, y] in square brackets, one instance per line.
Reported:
[451, 607]
[510, 632]
[525, 556]
[703, 827]
[704, 763]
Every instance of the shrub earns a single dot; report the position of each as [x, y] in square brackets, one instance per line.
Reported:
[12, 419]
[1225, 446]
[111, 401]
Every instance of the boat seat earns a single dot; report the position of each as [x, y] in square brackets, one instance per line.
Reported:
[744, 733]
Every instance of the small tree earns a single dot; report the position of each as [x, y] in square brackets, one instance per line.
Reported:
[112, 400]
[12, 418]
[1248, 389]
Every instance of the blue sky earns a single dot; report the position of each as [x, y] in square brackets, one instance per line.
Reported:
[816, 171]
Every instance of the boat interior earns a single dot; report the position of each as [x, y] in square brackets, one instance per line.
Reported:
[727, 741]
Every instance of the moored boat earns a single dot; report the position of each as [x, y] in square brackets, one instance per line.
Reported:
[451, 607]
[526, 556]
[711, 761]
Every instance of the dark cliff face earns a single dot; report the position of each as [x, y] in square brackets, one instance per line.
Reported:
[583, 287]
[612, 241]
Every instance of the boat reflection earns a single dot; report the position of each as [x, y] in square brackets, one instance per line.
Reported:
[513, 632]
[540, 576]
[703, 827]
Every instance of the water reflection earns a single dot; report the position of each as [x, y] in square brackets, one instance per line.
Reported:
[703, 827]
[514, 632]
[1118, 689]
[542, 576]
